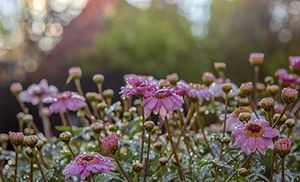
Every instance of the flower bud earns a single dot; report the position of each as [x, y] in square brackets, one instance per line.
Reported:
[29, 152]
[226, 87]
[243, 171]
[137, 102]
[289, 95]
[158, 145]
[39, 145]
[98, 78]
[28, 131]
[16, 88]
[220, 66]
[101, 106]
[149, 125]
[137, 167]
[16, 138]
[226, 140]
[65, 136]
[294, 63]
[244, 101]
[245, 116]
[110, 143]
[31, 140]
[3, 138]
[97, 127]
[269, 80]
[246, 88]
[108, 93]
[290, 122]
[163, 161]
[256, 59]
[267, 104]
[126, 115]
[111, 127]
[272, 89]
[208, 78]
[93, 96]
[260, 87]
[173, 78]
[45, 112]
[164, 83]
[283, 146]
[282, 119]
[75, 72]
[28, 118]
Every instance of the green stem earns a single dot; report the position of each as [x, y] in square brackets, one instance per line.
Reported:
[16, 164]
[39, 165]
[147, 157]
[272, 165]
[124, 173]
[282, 170]
[70, 149]
[31, 170]
[242, 165]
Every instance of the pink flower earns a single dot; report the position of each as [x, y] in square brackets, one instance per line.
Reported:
[65, 101]
[88, 163]
[255, 135]
[163, 101]
[193, 91]
[110, 143]
[283, 146]
[37, 92]
[294, 62]
[138, 85]
[256, 58]
[285, 78]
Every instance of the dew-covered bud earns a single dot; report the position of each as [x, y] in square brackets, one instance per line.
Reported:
[137, 167]
[208, 78]
[246, 88]
[243, 171]
[31, 140]
[289, 95]
[110, 143]
[226, 87]
[290, 122]
[267, 104]
[158, 145]
[149, 125]
[283, 146]
[173, 78]
[97, 127]
[220, 66]
[126, 115]
[65, 136]
[75, 72]
[98, 78]
[16, 88]
[272, 89]
[256, 58]
[260, 87]
[163, 161]
[16, 138]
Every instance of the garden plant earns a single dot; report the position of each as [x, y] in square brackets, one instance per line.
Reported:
[159, 130]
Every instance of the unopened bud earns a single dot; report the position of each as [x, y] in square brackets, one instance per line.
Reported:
[163, 161]
[158, 145]
[97, 127]
[75, 72]
[256, 59]
[16, 138]
[283, 146]
[243, 171]
[267, 104]
[173, 78]
[149, 125]
[137, 167]
[289, 95]
[272, 89]
[290, 122]
[220, 66]
[16, 88]
[65, 136]
[226, 87]
[98, 78]
[31, 140]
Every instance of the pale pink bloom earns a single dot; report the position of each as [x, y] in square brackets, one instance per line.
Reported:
[283, 146]
[255, 135]
[294, 62]
[35, 93]
[162, 102]
[89, 163]
[286, 78]
[65, 101]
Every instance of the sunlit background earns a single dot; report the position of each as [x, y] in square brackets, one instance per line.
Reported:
[43, 38]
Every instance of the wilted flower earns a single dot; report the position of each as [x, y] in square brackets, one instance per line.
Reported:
[138, 85]
[162, 101]
[110, 143]
[255, 135]
[283, 146]
[37, 92]
[65, 101]
[294, 62]
[87, 164]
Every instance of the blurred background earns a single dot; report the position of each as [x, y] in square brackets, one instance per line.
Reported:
[44, 38]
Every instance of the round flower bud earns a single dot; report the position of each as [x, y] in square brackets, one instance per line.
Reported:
[283, 146]
[65, 136]
[173, 78]
[98, 78]
[97, 127]
[272, 89]
[269, 80]
[28, 118]
[110, 143]
[282, 119]
[226, 140]
[28, 131]
[158, 145]
[164, 83]
[226, 87]
[208, 78]
[149, 125]
[31, 140]
[16, 138]
[108, 93]
[20, 116]
[137, 102]
[267, 104]
[111, 127]
[220, 66]
[294, 63]
[244, 101]
[245, 116]
[101, 106]
[260, 87]
[243, 171]
[39, 145]
[16, 88]
[246, 88]
[126, 115]
[163, 161]
[290, 122]
[119, 109]
[137, 167]
[75, 72]
[29, 152]
[256, 59]
[92, 96]
[289, 95]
